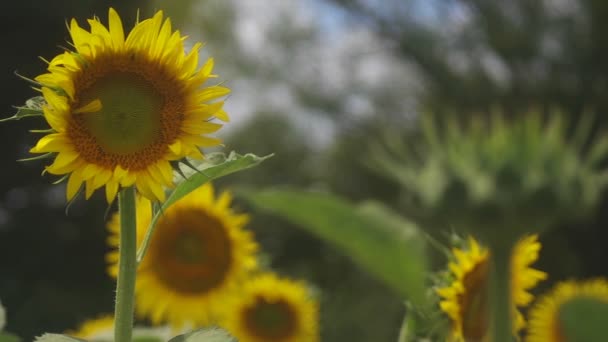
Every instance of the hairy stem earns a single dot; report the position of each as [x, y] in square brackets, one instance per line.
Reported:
[127, 266]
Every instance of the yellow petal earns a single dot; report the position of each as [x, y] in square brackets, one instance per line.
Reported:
[200, 127]
[156, 188]
[162, 39]
[53, 142]
[111, 190]
[116, 30]
[191, 61]
[119, 172]
[74, 183]
[211, 93]
[89, 171]
[176, 147]
[165, 171]
[202, 141]
[222, 115]
[62, 160]
[129, 179]
[91, 107]
[89, 188]
[101, 178]
[80, 37]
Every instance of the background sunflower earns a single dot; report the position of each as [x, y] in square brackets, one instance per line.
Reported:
[273, 309]
[555, 314]
[198, 256]
[464, 299]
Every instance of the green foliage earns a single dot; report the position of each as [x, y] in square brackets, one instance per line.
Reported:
[513, 176]
[216, 165]
[204, 335]
[32, 107]
[584, 320]
[376, 238]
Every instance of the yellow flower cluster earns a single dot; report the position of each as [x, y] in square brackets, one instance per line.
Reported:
[201, 270]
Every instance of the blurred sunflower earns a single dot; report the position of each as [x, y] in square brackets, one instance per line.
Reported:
[465, 299]
[198, 255]
[545, 317]
[121, 108]
[271, 309]
[98, 328]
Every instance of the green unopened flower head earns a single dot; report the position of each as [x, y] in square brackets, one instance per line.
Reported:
[499, 179]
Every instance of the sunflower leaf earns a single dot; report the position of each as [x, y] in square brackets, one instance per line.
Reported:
[204, 335]
[57, 338]
[378, 239]
[215, 166]
[32, 107]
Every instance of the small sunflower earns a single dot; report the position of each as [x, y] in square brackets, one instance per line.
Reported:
[544, 317]
[121, 108]
[270, 309]
[94, 329]
[198, 255]
[465, 299]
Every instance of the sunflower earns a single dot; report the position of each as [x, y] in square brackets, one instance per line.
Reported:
[94, 329]
[271, 309]
[122, 108]
[545, 323]
[465, 299]
[197, 257]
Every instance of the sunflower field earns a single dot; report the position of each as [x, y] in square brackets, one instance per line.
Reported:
[304, 171]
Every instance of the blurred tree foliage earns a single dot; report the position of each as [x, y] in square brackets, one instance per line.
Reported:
[478, 55]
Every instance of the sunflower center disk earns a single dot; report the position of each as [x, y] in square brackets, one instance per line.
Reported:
[474, 303]
[191, 251]
[582, 319]
[272, 320]
[130, 118]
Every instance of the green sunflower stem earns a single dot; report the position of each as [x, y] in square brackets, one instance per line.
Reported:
[127, 266]
[500, 293]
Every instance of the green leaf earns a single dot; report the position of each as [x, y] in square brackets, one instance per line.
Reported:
[151, 334]
[584, 320]
[204, 335]
[147, 339]
[216, 165]
[6, 337]
[32, 107]
[57, 338]
[376, 238]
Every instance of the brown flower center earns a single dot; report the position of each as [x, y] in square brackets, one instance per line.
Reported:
[274, 320]
[190, 251]
[474, 302]
[141, 115]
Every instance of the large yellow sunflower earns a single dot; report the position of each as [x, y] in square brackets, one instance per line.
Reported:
[270, 309]
[122, 107]
[465, 299]
[544, 317]
[198, 255]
